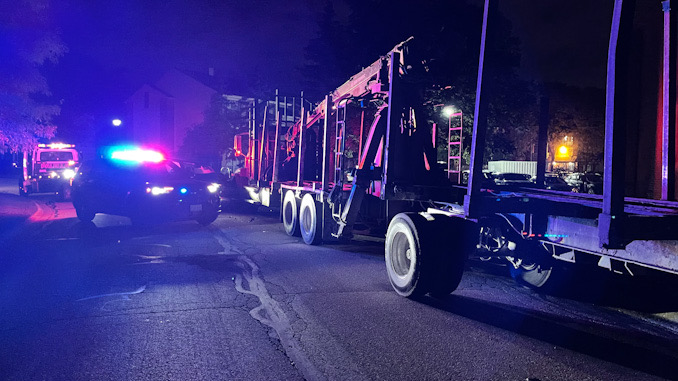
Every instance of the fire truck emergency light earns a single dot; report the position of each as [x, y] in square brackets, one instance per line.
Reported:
[56, 145]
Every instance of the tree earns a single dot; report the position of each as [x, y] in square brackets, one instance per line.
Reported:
[209, 140]
[329, 55]
[448, 41]
[28, 42]
[579, 113]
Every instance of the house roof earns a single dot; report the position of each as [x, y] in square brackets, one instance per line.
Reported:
[145, 87]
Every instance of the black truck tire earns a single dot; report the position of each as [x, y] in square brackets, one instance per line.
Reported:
[309, 222]
[452, 239]
[290, 214]
[417, 261]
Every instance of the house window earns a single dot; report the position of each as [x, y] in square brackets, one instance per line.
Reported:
[147, 100]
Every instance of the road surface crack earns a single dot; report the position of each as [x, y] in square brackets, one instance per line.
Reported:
[272, 315]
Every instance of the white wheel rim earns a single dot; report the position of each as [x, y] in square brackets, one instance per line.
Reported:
[401, 256]
[306, 219]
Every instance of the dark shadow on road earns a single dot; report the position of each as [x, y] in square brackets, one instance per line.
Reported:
[359, 245]
[92, 235]
[653, 354]
[9, 227]
[651, 292]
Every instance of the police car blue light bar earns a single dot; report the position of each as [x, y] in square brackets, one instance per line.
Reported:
[137, 155]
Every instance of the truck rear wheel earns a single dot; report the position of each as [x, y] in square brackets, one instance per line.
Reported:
[532, 275]
[416, 261]
[290, 214]
[309, 221]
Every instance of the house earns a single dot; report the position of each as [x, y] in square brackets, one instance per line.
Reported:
[162, 113]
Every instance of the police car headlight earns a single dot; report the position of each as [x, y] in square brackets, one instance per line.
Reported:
[213, 188]
[159, 190]
[68, 174]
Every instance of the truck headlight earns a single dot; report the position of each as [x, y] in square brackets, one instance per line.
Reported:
[213, 188]
[68, 174]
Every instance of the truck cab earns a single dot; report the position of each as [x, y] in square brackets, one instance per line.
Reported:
[49, 168]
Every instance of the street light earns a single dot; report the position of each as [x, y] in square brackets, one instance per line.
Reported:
[116, 122]
[449, 112]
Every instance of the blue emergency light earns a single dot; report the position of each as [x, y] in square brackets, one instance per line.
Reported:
[135, 155]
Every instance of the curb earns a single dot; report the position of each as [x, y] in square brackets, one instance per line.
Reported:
[13, 206]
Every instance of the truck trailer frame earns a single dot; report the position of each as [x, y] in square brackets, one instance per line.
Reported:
[362, 161]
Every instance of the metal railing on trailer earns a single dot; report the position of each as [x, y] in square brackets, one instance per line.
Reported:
[616, 230]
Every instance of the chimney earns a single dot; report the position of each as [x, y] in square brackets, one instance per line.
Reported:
[211, 71]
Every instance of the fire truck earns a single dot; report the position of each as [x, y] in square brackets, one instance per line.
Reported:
[364, 161]
[49, 168]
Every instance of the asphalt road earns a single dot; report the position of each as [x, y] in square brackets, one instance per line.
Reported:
[241, 300]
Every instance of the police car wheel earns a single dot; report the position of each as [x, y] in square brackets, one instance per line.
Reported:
[84, 214]
[207, 218]
[65, 193]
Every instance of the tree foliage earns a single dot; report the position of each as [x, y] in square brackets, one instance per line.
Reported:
[28, 42]
[579, 113]
[448, 40]
[210, 139]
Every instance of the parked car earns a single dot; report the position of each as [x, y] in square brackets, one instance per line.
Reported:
[587, 182]
[144, 186]
[555, 182]
[512, 179]
[487, 182]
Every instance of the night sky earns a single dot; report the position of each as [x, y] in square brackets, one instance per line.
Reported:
[116, 46]
[563, 40]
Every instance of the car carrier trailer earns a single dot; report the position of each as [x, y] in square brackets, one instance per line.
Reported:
[364, 160]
